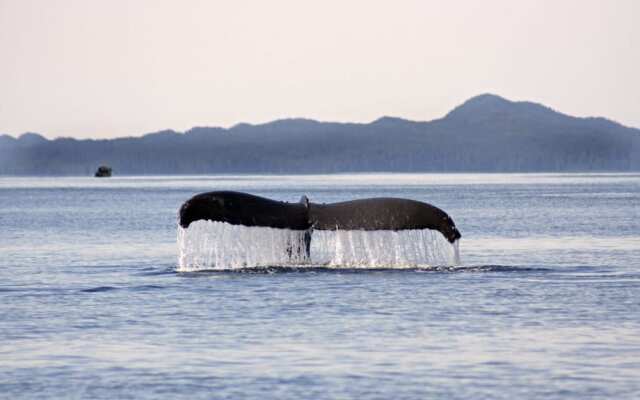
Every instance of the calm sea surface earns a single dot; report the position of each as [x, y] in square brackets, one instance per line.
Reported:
[546, 303]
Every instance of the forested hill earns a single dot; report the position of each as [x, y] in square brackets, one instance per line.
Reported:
[486, 133]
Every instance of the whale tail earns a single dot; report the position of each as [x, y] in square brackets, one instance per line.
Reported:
[373, 214]
[294, 224]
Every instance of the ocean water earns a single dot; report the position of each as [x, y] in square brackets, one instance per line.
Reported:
[545, 302]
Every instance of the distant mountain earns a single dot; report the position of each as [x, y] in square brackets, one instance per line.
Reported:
[6, 140]
[30, 139]
[486, 133]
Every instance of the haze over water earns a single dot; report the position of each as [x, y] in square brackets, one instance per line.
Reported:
[545, 304]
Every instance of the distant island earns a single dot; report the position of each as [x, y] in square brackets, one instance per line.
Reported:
[487, 133]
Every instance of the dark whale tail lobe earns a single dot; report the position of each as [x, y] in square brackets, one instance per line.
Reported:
[238, 208]
[382, 214]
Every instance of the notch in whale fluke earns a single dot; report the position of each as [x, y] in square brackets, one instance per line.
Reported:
[395, 214]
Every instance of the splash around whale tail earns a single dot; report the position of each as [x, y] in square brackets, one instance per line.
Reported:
[208, 245]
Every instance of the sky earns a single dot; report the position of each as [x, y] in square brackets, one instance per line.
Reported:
[100, 69]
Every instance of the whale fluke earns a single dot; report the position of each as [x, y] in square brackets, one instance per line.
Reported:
[382, 213]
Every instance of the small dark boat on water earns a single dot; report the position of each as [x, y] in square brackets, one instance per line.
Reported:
[103, 172]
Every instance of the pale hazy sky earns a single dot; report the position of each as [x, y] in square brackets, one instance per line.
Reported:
[115, 68]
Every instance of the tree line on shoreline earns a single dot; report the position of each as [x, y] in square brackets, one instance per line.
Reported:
[487, 133]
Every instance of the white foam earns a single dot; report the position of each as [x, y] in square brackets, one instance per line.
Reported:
[382, 249]
[456, 253]
[208, 245]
